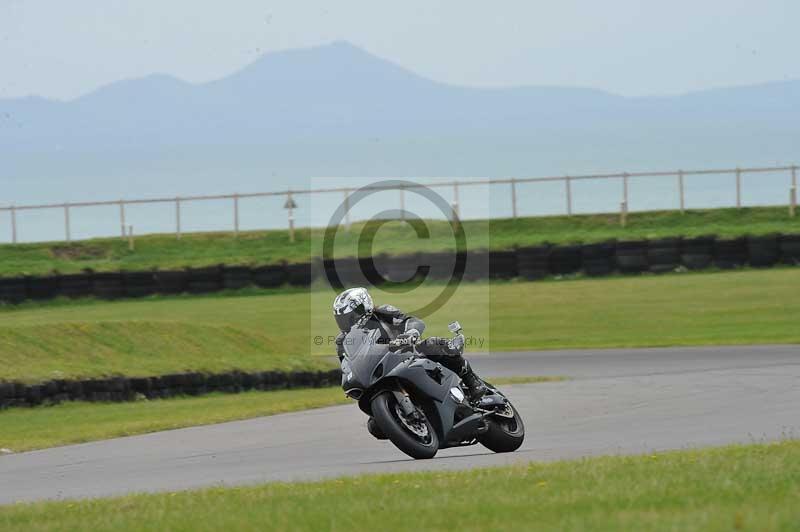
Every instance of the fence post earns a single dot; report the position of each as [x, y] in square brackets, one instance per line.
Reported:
[130, 238]
[513, 197]
[738, 188]
[402, 203]
[623, 213]
[625, 189]
[236, 215]
[290, 212]
[793, 193]
[680, 191]
[122, 217]
[67, 232]
[178, 218]
[456, 205]
[13, 225]
[568, 183]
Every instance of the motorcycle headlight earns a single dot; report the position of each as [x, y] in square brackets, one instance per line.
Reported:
[457, 394]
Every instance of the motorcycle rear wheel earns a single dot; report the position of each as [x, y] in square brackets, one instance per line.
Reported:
[385, 411]
[505, 434]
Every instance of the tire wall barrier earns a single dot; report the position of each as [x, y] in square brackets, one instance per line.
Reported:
[117, 389]
[531, 263]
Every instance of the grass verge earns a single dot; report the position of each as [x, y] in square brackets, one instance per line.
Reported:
[260, 332]
[25, 429]
[753, 487]
[265, 247]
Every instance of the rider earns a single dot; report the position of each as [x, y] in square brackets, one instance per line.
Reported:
[354, 308]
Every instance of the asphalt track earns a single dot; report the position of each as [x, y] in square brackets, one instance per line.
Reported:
[618, 401]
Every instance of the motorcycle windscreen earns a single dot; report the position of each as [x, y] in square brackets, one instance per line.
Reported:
[358, 342]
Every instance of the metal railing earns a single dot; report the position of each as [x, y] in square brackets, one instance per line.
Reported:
[623, 177]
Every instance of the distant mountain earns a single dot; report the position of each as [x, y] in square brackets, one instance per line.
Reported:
[337, 110]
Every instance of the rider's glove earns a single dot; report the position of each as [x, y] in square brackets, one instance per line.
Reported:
[410, 337]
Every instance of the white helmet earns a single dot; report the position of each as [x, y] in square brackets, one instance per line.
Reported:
[352, 306]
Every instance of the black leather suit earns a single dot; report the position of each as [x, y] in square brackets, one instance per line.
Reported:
[392, 323]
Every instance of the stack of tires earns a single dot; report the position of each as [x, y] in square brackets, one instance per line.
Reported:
[75, 285]
[697, 253]
[170, 281]
[440, 265]
[236, 277]
[398, 269]
[140, 284]
[41, 288]
[108, 285]
[299, 274]
[790, 249]
[730, 253]
[270, 276]
[663, 255]
[763, 251]
[477, 265]
[533, 262]
[13, 289]
[502, 264]
[565, 260]
[598, 259]
[204, 280]
[631, 256]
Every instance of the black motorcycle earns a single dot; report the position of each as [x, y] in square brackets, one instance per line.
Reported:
[419, 404]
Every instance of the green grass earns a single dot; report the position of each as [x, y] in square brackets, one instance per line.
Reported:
[263, 331]
[25, 429]
[754, 487]
[264, 247]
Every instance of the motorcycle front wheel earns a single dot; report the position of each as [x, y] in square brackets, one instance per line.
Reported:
[414, 436]
[506, 431]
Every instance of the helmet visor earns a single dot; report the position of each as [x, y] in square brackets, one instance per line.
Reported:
[346, 321]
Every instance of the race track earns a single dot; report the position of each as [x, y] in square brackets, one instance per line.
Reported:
[618, 401]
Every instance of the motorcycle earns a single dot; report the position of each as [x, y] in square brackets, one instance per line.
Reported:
[420, 405]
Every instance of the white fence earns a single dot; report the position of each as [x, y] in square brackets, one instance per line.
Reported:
[288, 196]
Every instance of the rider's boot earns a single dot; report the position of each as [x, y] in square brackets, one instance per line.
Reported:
[475, 387]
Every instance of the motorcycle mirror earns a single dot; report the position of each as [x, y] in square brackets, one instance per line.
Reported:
[454, 327]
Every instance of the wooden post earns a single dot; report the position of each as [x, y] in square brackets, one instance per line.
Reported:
[13, 225]
[402, 203]
[513, 197]
[623, 214]
[456, 205]
[568, 183]
[290, 211]
[178, 218]
[680, 191]
[738, 188]
[122, 217]
[793, 194]
[236, 215]
[67, 232]
[625, 190]
[130, 238]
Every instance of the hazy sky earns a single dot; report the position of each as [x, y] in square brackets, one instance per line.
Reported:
[61, 49]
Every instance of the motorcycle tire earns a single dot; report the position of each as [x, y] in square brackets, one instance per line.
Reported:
[383, 410]
[505, 435]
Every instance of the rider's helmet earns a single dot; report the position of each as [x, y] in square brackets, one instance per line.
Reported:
[352, 306]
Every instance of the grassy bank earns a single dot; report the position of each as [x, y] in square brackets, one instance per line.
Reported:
[48, 426]
[265, 331]
[753, 487]
[264, 247]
